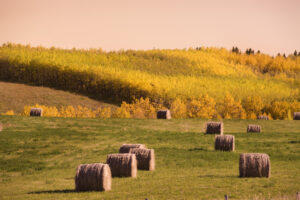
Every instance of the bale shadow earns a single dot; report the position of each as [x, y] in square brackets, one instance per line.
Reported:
[294, 141]
[53, 191]
[218, 176]
[199, 149]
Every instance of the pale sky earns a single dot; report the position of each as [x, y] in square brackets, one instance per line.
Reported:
[271, 26]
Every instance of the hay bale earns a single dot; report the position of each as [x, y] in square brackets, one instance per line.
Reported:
[224, 142]
[37, 112]
[145, 158]
[263, 117]
[163, 114]
[214, 128]
[122, 165]
[1, 127]
[126, 147]
[296, 115]
[252, 128]
[254, 165]
[96, 176]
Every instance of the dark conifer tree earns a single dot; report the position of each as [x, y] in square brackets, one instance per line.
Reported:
[247, 51]
[233, 49]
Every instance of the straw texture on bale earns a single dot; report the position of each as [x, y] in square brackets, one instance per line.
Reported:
[1, 127]
[254, 165]
[145, 158]
[163, 114]
[122, 165]
[253, 128]
[37, 112]
[214, 128]
[224, 142]
[95, 176]
[126, 147]
[296, 115]
[263, 117]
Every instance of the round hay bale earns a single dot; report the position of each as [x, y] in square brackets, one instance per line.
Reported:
[145, 158]
[262, 117]
[36, 112]
[122, 165]
[163, 114]
[224, 142]
[214, 128]
[1, 126]
[296, 115]
[254, 165]
[126, 147]
[96, 176]
[252, 128]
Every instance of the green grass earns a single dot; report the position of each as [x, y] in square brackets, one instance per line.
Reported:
[39, 156]
[14, 96]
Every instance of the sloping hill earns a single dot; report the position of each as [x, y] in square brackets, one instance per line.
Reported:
[15, 96]
[158, 74]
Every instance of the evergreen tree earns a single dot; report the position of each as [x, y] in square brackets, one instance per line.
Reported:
[295, 53]
[233, 49]
[247, 51]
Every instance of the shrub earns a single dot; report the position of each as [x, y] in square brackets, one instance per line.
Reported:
[251, 115]
[123, 111]
[178, 109]
[142, 108]
[253, 105]
[279, 109]
[204, 107]
[104, 112]
[229, 108]
[9, 112]
[84, 112]
[69, 111]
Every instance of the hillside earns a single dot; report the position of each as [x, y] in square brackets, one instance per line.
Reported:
[15, 96]
[157, 74]
[39, 156]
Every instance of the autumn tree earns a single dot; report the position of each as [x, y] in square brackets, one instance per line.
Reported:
[204, 107]
[229, 108]
[178, 108]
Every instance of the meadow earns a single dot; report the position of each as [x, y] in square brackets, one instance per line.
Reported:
[39, 156]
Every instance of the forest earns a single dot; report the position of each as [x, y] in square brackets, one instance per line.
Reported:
[196, 82]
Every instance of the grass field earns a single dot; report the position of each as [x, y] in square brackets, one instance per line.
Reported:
[39, 156]
[24, 95]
